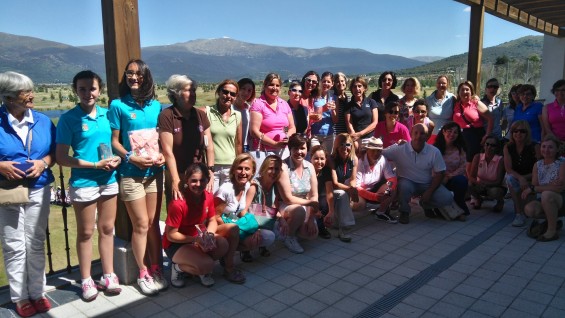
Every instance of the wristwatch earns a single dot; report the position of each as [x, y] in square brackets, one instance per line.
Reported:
[45, 165]
[211, 168]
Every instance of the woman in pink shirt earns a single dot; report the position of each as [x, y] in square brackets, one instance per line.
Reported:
[271, 118]
[469, 113]
[486, 176]
[553, 114]
[391, 130]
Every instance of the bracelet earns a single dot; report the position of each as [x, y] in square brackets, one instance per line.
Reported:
[95, 165]
[128, 155]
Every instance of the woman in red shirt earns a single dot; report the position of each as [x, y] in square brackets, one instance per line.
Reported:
[189, 251]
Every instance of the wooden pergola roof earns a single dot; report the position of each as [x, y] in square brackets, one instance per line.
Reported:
[545, 16]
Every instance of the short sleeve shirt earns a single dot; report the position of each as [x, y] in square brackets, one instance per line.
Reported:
[187, 134]
[361, 117]
[273, 122]
[415, 166]
[184, 215]
[440, 111]
[126, 115]
[226, 193]
[324, 176]
[531, 115]
[399, 132]
[223, 134]
[84, 135]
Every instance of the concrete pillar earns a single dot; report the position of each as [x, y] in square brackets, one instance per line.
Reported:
[553, 65]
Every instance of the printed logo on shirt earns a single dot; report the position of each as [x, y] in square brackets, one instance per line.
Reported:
[176, 130]
[200, 128]
[84, 127]
[132, 115]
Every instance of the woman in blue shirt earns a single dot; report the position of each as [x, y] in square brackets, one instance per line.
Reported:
[134, 116]
[93, 185]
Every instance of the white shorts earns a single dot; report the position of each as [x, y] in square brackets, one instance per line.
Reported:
[88, 194]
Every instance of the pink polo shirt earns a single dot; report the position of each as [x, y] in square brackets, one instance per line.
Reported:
[274, 121]
[471, 114]
[556, 118]
[398, 132]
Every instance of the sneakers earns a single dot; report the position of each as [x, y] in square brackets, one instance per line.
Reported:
[42, 304]
[324, 233]
[404, 218]
[292, 244]
[207, 280]
[159, 280]
[89, 291]
[111, 285]
[147, 285]
[26, 309]
[177, 276]
[386, 217]
[519, 220]
[343, 236]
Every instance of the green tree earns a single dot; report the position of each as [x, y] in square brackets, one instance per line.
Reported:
[60, 97]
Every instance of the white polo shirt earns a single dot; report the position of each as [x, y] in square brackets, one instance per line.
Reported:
[415, 166]
[22, 127]
[367, 177]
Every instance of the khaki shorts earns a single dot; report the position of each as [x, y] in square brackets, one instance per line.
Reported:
[88, 194]
[133, 188]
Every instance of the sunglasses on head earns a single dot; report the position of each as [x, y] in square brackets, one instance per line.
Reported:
[296, 90]
[522, 131]
[226, 92]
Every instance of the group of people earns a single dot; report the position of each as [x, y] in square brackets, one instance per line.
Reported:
[249, 170]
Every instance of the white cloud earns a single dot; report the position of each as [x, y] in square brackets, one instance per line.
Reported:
[225, 37]
[467, 9]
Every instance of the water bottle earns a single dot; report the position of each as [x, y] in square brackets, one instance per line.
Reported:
[233, 216]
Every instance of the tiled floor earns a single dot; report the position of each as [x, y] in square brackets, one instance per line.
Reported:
[429, 268]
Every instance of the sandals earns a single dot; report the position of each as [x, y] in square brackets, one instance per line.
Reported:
[236, 276]
[246, 256]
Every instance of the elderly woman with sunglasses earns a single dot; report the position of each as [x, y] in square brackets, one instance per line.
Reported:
[487, 175]
[344, 176]
[391, 131]
[27, 150]
[225, 128]
[520, 156]
[548, 183]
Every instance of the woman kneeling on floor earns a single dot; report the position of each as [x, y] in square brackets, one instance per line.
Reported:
[193, 252]
[548, 179]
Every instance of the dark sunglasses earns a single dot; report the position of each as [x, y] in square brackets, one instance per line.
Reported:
[393, 112]
[296, 90]
[312, 81]
[488, 144]
[346, 145]
[420, 111]
[493, 86]
[226, 92]
[522, 131]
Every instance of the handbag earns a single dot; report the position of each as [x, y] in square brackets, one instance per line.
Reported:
[16, 192]
[259, 156]
[452, 211]
[247, 224]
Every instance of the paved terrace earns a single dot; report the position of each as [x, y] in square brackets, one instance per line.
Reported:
[429, 268]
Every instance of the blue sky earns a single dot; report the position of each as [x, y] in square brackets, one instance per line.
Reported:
[400, 27]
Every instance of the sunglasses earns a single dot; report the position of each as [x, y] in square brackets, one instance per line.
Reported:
[296, 90]
[311, 81]
[226, 92]
[346, 145]
[522, 131]
[493, 86]
[420, 111]
[488, 144]
[394, 112]
[130, 74]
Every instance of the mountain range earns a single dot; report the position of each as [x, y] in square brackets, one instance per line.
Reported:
[205, 60]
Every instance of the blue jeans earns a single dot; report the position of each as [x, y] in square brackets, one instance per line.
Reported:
[408, 188]
[458, 185]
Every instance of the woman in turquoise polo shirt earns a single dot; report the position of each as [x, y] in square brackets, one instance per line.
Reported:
[133, 117]
[93, 184]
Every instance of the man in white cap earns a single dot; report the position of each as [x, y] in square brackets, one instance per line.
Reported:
[373, 174]
[420, 169]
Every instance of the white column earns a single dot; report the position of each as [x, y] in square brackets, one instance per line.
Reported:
[553, 65]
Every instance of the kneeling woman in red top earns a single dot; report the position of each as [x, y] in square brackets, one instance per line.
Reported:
[190, 252]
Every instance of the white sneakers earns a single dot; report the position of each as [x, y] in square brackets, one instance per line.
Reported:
[159, 280]
[206, 280]
[147, 285]
[177, 276]
[110, 284]
[292, 244]
[89, 291]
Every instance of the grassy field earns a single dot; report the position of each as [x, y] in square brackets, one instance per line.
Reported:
[43, 101]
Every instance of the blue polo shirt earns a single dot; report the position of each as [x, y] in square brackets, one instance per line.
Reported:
[85, 134]
[126, 115]
[531, 115]
[361, 117]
